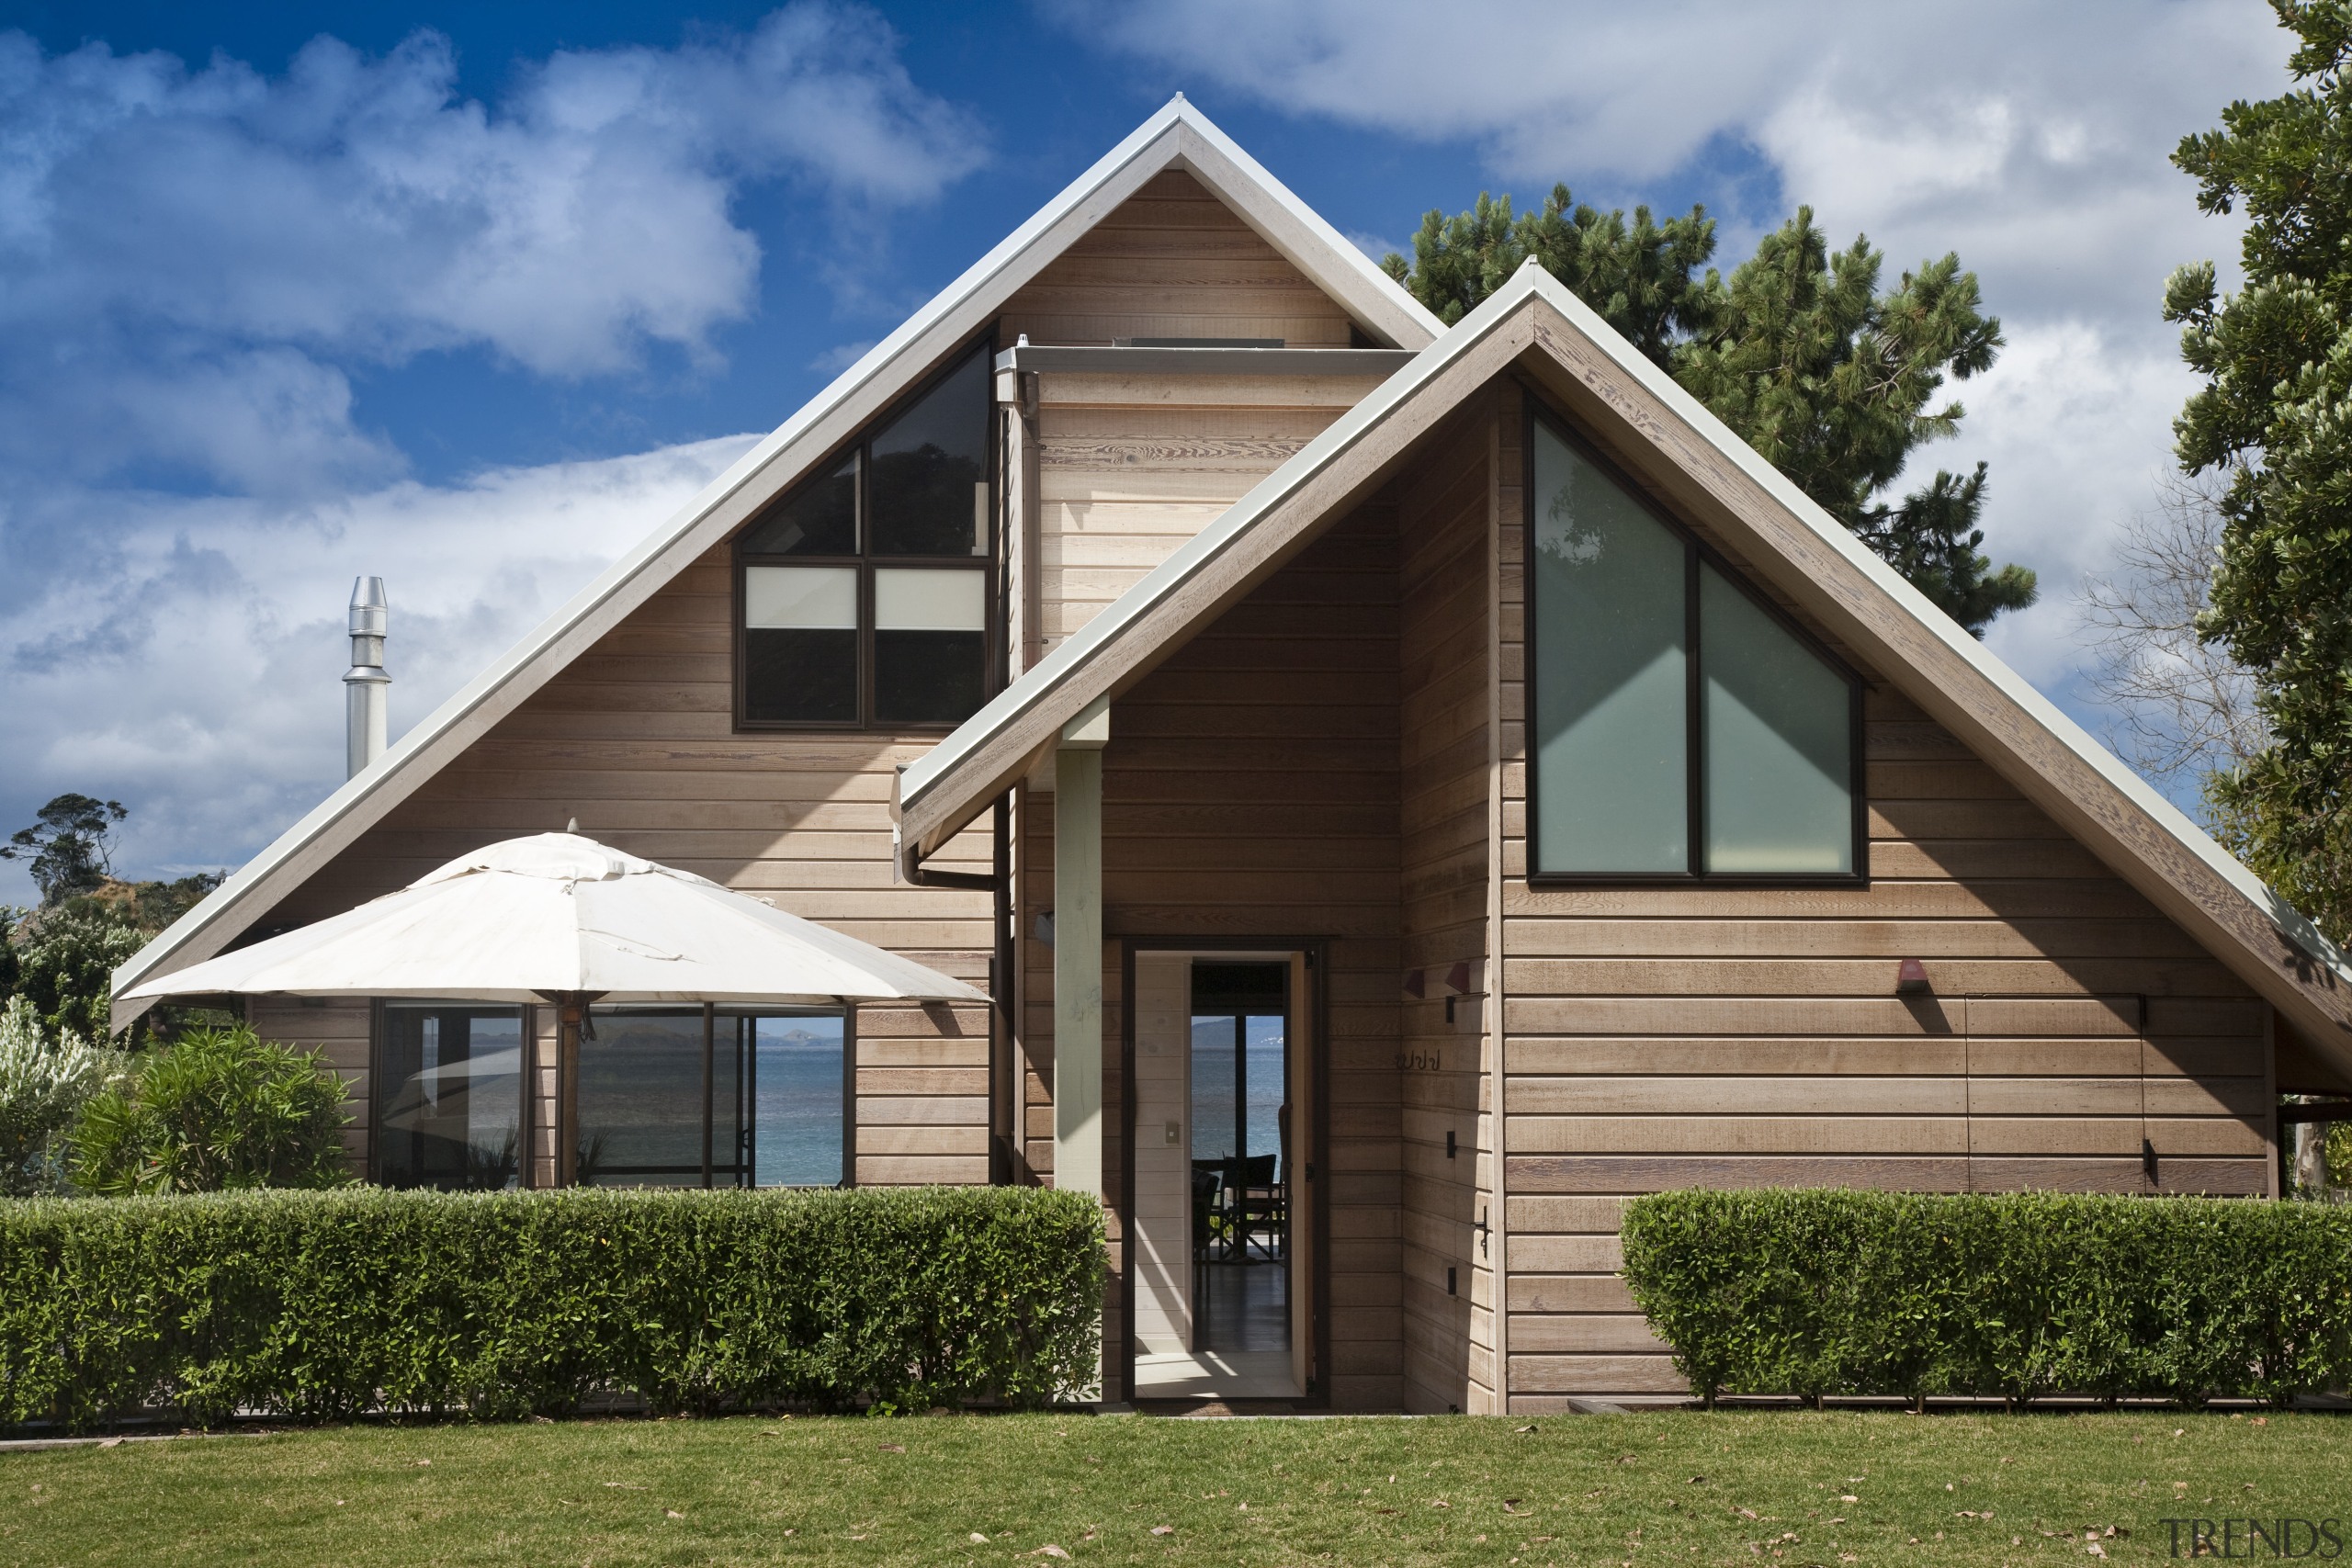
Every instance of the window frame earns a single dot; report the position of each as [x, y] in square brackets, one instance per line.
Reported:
[847, 1016]
[1696, 555]
[383, 1086]
[866, 562]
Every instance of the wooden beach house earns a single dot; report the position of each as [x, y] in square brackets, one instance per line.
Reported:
[1404, 788]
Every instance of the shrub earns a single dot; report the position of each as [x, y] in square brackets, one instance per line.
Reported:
[324, 1306]
[1822, 1293]
[218, 1109]
[43, 1083]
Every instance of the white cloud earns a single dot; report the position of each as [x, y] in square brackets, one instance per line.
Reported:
[194, 266]
[165, 230]
[198, 675]
[2031, 139]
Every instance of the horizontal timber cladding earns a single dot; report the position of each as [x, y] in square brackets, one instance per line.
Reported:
[1234, 812]
[2072, 1037]
[1172, 261]
[338, 1031]
[1445, 778]
[1129, 466]
[635, 742]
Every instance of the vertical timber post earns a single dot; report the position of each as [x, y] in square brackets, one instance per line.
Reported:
[1077, 951]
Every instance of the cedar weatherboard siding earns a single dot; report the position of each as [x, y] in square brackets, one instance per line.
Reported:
[1701, 1036]
[1129, 466]
[1443, 745]
[636, 740]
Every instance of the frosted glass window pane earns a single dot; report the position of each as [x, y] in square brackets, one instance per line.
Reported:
[808, 598]
[910, 599]
[1779, 743]
[1612, 737]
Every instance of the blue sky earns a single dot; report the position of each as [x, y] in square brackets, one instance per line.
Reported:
[474, 297]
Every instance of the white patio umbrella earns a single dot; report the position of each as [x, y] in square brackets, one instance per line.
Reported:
[561, 919]
[558, 916]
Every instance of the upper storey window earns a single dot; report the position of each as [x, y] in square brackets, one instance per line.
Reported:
[861, 595]
[1680, 728]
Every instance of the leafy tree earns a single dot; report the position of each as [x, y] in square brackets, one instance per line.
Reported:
[220, 1108]
[2274, 418]
[45, 1079]
[69, 847]
[1800, 353]
[156, 905]
[67, 959]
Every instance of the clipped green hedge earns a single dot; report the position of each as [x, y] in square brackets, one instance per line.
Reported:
[327, 1305]
[1836, 1292]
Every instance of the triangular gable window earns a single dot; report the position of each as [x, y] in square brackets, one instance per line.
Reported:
[1679, 727]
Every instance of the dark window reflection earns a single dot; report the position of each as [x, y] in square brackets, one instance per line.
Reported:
[817, 519]
[775, 1099]
[928, 491]
[928, 677]
[449, 1117]
[801, 676]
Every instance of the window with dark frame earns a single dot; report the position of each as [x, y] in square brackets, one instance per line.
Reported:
[448, 1096]
[1679, 727]
[777, 1113]
[863, 594]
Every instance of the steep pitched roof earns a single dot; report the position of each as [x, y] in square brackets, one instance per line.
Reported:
[1178, 137]
[1536, 327]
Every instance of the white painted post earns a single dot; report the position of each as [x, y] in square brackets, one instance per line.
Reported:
[1077, 951]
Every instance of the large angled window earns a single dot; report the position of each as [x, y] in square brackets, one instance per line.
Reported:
[863, 594]
[1680, 727]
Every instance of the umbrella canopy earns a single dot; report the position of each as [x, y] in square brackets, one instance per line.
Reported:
[557, 915]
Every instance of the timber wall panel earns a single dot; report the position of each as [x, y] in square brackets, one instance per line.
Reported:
[1172, 261]
[635, 742]
[1751, 1037]
[1129, 466]
[1443, 761]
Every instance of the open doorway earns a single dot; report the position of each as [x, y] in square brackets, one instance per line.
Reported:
[1222, 1079]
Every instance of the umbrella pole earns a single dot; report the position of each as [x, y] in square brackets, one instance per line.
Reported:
[567, 1071]
[709, 1029]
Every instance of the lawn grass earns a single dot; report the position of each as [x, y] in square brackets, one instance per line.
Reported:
[1676, 1487]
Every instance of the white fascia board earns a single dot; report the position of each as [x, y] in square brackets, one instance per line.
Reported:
[2291, 922]
[823, 422]
[1069, 659]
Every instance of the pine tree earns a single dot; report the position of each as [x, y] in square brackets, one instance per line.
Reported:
[2275, 418]
[1799, 353]
[1643, 278]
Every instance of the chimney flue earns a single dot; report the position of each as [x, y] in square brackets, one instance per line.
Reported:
[366, 688]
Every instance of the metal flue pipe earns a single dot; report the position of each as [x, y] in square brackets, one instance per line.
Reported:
[367, 689]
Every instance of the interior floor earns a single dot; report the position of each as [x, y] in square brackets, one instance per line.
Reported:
[1248, 1330]
[1248, 1306]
